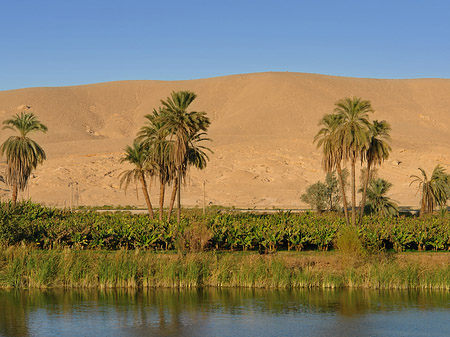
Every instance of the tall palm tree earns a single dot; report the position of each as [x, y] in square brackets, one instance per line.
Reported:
[378, 202]
[181, 125]
[374, 153]
[352, 135]
[435, 191]
[22, 153]
[137, 155]
[153, 136]
[332, 153]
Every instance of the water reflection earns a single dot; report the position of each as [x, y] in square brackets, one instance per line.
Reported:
[225, 312]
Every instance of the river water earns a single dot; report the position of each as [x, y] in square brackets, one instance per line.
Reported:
[224, 312]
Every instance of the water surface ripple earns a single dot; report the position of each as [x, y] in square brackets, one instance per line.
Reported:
[224, 312]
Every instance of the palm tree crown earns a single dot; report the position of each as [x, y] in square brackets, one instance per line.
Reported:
[435, 191]
[374, 152]
[180, 123]
[22, 153]
[378, 202]
[352, 131]
[326, 138]
[137, 155]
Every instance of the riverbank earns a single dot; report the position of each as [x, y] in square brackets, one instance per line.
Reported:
[24, 267]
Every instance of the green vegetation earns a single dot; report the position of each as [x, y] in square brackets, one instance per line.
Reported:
[49, 228]
[22, 153]
[348, 135]
[435, 191]
[378, 202]
[332, 153]
[374, 153]
[170, 142]
[46, 247]
[23, 267]
[324, 196]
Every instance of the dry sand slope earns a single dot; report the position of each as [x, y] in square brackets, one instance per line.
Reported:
[262, 128]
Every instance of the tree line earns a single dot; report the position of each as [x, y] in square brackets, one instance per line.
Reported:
[348, 136]
[173, 139]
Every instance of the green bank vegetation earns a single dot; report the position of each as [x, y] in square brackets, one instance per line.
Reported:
[23, 267]
[51, 228]
[47, 247]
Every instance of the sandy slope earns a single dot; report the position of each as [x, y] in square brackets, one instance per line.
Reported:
[262, 129]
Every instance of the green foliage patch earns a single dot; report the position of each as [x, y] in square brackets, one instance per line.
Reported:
[50, 228]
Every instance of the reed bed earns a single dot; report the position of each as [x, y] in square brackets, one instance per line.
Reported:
[28, 267]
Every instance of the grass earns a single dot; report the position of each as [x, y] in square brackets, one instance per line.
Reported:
[25, 267]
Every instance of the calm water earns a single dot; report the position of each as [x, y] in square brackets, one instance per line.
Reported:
[213, 312]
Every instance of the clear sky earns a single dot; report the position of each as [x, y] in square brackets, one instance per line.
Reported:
[66, 42]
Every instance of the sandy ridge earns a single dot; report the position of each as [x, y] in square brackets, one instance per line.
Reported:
[262, 126]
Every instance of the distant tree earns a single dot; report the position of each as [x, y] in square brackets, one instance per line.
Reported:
[181, 125]
[374, 153]
[352, 135]
[333, 194]
[316, 196]
[377, 201]
[332, 152]
[137, 155]
[154, 136]
[324, 196]
[196, 156]
[434, 191]
[22, 153]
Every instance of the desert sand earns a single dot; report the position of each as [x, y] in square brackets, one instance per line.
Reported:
[262, 129]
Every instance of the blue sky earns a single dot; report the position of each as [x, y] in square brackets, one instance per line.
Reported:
[65, 42]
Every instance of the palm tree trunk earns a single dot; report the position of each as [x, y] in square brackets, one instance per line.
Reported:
[363, 199]
[422, 204]
[353, 192]
[146, 196]
[162, 191]
[14, 194]
[172, 197]
[344, 198]
[179, 198]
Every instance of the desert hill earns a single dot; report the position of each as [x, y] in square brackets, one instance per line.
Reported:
[262, 128]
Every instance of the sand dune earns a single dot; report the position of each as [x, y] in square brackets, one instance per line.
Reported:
[262, 129]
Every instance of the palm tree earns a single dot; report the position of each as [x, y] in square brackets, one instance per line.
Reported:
[374, 153]
[153, 136]
[22, 153]
[196, 156]
[378, 202]
[137, 155]
[352, 135]
[181, 125]
[332, 154]
[435, 191]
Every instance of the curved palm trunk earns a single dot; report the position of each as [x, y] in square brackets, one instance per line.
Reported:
[353, 192]
[162, 192]
[14, 194]
[344, 198]
[172, 197]
[363, 199]
[146, 196]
